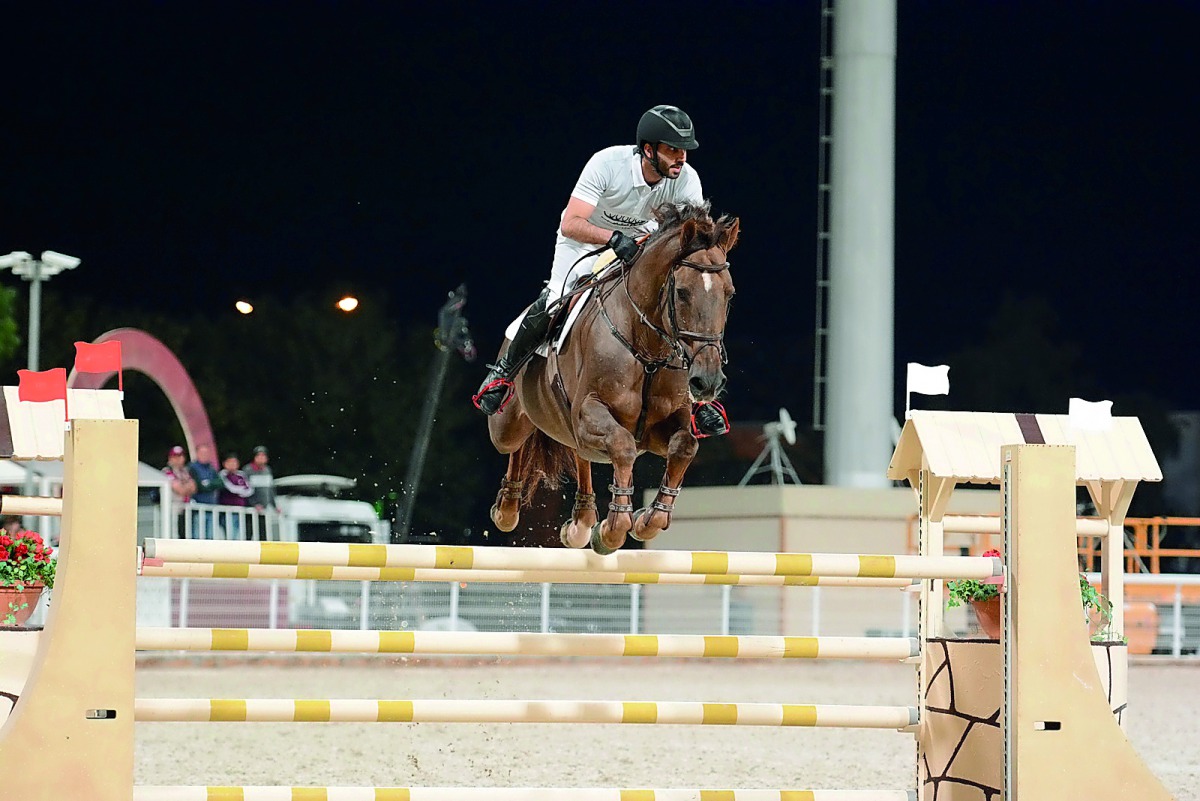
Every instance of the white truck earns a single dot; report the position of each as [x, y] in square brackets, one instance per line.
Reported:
[310, 510]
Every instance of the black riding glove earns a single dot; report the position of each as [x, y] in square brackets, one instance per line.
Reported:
[624, 246]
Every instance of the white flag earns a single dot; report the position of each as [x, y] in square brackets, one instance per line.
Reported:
[929, 380]
[1088, 416]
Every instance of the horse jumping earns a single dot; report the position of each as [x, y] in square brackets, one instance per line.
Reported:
[649, 344]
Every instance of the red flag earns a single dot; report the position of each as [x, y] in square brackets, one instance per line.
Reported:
[102, 358]
[46, 385]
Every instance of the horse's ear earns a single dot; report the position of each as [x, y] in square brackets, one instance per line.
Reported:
[729, 236]
[687, 234]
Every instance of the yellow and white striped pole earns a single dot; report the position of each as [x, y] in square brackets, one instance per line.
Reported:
[344, 710]
[468, 558]
[534, 644]
[261, 793]
[328, 573]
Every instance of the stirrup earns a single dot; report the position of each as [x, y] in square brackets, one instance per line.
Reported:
[497, 383]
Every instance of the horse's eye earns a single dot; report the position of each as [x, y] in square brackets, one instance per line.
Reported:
[685, 295]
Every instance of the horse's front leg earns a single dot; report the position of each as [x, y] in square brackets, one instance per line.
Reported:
[506, 511]
[577, 532]
[599, 431]
[649, 522]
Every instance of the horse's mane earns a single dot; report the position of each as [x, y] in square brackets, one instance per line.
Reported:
[672, 216]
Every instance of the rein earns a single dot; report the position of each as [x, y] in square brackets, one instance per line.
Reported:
[673, 339]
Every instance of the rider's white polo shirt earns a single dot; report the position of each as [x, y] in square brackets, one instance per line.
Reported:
[612, 181]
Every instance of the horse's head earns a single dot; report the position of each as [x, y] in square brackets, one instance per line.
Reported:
[696, 290]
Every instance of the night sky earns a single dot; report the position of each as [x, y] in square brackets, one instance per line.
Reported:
[194, 153]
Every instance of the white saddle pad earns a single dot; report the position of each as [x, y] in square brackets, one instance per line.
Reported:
[544, 350]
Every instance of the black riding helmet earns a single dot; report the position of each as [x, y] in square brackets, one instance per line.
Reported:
[668, 125]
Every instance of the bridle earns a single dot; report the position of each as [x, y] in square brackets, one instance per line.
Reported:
[679, 357]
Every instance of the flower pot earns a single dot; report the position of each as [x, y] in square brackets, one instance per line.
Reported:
[988, 614]
[18, 604]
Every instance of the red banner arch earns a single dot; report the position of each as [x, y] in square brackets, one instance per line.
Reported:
[144, 353]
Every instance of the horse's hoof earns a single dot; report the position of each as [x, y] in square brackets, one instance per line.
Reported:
[598, 543]
[574, 535]
[641, 531]
[503, 523]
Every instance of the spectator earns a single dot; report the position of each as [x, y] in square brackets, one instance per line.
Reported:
[235, 492]
[183, 486]
[262, 481]
[208, 483]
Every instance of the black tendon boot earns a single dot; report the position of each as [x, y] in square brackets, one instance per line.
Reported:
[709, 419]
[496, 390]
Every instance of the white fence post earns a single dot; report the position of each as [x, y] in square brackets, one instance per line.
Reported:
[545, 627]
[273, 611]
[726, 594]
[183, 603]
[364, 606]
[1177, 634]
[454, 605]
[635, 607]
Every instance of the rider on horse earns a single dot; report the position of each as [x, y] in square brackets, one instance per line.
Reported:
[611, 205]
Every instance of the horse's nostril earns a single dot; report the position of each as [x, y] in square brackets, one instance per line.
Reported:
[697, 385]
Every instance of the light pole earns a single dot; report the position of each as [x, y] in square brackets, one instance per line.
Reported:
[35, 271]
[452, 334]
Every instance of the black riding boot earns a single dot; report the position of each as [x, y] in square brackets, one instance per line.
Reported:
[709, 419]
[496, 390]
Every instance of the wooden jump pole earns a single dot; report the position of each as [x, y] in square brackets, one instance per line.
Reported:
[341, 710]
[326, 573]
[515, 643]
[466, 558]
[251, 793]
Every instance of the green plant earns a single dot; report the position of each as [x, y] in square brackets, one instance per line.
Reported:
[1094, 604]
[24, 560]
[969, 590]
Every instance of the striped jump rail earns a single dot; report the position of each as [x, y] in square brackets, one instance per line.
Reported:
[156, 567]
[470, 558]
[293, 710]
[265, 793]
[514, 643]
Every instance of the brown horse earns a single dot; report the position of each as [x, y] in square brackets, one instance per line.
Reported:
[648, 344]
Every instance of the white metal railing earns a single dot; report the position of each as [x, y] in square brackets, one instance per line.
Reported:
[1176, 580]
[208, 521]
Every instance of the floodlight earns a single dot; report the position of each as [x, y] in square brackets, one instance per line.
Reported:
[13, 259]
[59, 260]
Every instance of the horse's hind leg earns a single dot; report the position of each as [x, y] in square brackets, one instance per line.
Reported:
[649, 522]
[577, 532]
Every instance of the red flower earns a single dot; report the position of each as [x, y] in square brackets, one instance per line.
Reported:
[5, 540]
[21, 551]
[991, 552]
[3, 554]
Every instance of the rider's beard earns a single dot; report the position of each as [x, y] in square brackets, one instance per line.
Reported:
[665, 166]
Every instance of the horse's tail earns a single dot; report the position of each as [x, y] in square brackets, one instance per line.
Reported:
[544, 461]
